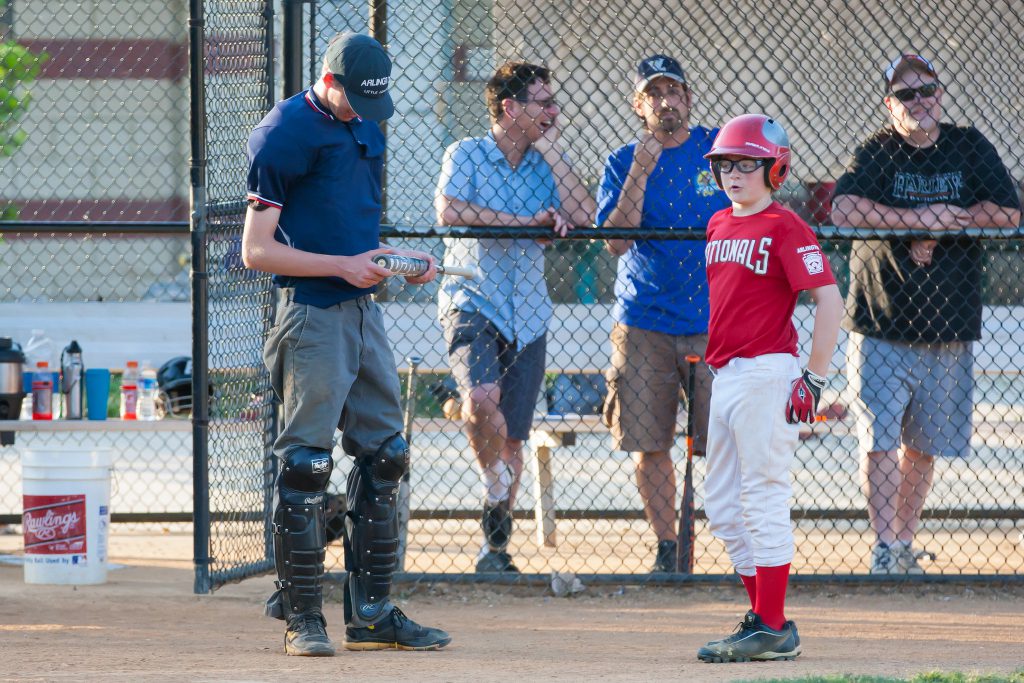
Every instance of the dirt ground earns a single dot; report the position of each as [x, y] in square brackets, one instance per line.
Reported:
[146, 624]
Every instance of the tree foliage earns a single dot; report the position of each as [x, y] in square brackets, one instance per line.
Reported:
[18, 68]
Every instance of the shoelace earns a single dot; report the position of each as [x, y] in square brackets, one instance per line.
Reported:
[398, 617]
[313, 624]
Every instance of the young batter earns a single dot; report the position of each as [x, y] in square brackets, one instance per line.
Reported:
[760, 256]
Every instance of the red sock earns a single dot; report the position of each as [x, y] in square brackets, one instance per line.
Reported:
[771, 595]
[750, 583]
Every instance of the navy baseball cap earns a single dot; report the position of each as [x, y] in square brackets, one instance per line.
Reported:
[362, 67]
[905, 62]
[657, 66]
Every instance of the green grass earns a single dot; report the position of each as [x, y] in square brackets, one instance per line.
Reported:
[930, 677]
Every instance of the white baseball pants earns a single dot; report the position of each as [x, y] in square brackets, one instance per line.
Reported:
[750, 450]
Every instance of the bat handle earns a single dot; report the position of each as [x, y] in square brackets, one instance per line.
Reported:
[461, 271]
[410, 396]
[691, 388]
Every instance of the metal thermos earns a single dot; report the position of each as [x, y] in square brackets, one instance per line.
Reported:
[72, 373]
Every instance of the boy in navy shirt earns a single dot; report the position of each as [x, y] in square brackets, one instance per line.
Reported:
[314, 191]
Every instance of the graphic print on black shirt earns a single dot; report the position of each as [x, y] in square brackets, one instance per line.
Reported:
[890, 296]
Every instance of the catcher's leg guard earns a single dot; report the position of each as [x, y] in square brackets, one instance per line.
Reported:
[371, 543]
[299, 533]
[497, 525]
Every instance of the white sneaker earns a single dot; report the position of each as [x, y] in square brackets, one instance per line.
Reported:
[906, 559]
[883, 559]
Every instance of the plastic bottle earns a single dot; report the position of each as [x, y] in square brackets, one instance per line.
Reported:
[130, 391]
[42, 392]
[147, 393]
[38, 348]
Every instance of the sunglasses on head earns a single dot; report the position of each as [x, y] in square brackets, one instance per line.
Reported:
[908, 94]
[742, 165]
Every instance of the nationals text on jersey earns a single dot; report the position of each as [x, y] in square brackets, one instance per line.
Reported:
[741, 251]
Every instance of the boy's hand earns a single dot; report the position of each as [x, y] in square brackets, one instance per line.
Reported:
[804, 397]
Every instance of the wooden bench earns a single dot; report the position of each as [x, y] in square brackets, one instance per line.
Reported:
[553, 431]
[549, 432]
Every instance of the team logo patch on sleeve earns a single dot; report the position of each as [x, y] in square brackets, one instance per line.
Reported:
[813, 262]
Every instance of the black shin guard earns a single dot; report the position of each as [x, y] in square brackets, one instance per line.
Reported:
[300, 536]
[371, 544]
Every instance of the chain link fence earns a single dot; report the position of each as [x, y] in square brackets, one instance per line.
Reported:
[94, 245]
[122, 296]
[820, 73]
[815, 67]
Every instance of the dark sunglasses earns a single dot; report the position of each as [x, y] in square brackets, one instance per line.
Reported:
[742, 165]
[908, 94]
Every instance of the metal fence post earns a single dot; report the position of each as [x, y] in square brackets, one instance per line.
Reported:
[200, 381]
[292, 48]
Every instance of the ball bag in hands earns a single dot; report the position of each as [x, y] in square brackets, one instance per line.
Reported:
[758, 137]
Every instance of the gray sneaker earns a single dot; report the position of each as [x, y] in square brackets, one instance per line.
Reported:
[906, 559]
[496, 561]
[883, 559]
[752, 640]
[307, 636]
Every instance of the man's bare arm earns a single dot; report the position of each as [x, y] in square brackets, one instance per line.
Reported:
[260, 251]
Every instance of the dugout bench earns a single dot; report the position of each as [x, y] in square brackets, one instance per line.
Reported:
[584, 391]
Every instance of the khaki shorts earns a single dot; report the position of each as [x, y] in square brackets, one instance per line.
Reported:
[648, 373]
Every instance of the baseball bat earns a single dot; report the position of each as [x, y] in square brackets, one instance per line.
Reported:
[685, 541]
[410, 265]
[403, 487]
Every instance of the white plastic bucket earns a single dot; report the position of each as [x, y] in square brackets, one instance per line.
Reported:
[66, 518]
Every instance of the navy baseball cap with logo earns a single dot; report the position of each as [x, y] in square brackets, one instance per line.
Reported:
[904, 62]
[362, 67]
[657, 66]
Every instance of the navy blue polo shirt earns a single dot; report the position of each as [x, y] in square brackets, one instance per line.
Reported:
[325, 176]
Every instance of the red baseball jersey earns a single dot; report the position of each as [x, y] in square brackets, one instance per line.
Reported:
[757, 266]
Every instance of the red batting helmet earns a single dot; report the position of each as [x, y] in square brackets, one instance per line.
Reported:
[758, 137]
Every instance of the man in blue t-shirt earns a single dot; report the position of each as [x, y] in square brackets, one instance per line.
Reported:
[661, 307]
[314, 191]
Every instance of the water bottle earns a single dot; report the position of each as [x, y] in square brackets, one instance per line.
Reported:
[130, 391]
[72, 373]
[42, 392]
[39, 348]
[147, 393]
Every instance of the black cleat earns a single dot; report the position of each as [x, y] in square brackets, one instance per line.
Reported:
[752, 640]
[496, 561]
[665, 561]
[395, 632]
[307, 636]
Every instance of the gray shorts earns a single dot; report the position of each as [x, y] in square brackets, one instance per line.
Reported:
[333, 368]
[478, 354]
[918, 395]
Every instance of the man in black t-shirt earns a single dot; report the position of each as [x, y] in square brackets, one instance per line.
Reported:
[914, 307]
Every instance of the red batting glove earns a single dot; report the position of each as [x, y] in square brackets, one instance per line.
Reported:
[804, 397]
